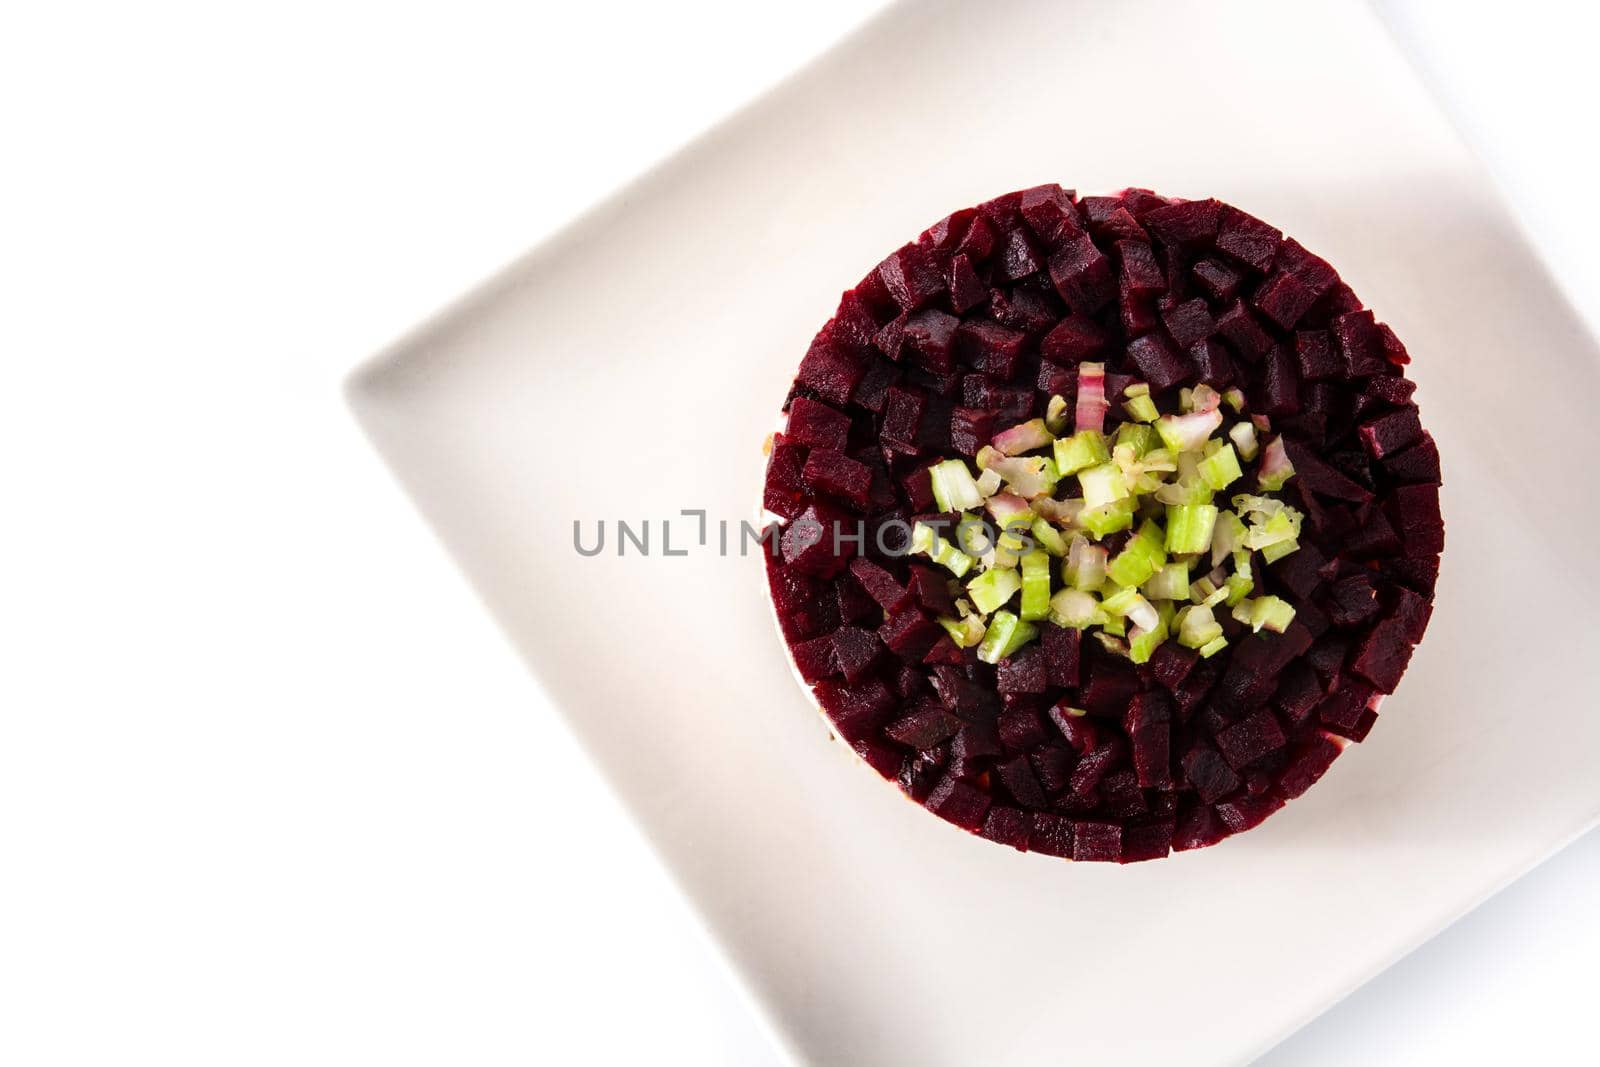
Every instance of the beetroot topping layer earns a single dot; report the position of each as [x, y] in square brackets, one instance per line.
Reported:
[1103, 525]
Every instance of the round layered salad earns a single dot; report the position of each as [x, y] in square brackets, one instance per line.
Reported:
[1101, 526]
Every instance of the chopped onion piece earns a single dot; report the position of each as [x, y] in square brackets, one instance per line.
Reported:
[1055, 415]
[1102, 485]
[966, 631]
[1275, 466]
[1028, 476]
[1024, 437]
[1234, 398]
[1188, 433]
[1203, 398]
[1111, 643]
[985, 455]
[989, 483]
[1086, 565]
[1169, 583]
[1243, 436]
[1090, 412]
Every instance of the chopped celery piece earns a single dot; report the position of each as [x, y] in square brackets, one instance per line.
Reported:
[1234, 398]
[953, 486]
[1005, 635]
[1142, 643]
[1136, 389]
[985, 455]
[972, 536]
[1229, 535]
[965, 632]
[1035, 585]
[1144, 555]
[926, 541]
[1202, 588]
[1115, 625]
[1243, 436]
[1141, 437]
[1102, 485]
[1220, 467]
[1273, 553]
[1130, 603]
[1141, 408]
[991, 589]
[1188, 433]
[989, 483]
[1049, 538]
[1107, 519]
[1076, 610]
[1114, 645]
[1267, 612]
[1211, 648]
[1239, 587]
[1024, 437]
[1169, 583]
[1057, 415]
[1086, 448]
[1197, 626]
[1204, 398]
[1028, 476]
[1275, 467]
[1086, 565]
[1189, 527]
[1283, 526]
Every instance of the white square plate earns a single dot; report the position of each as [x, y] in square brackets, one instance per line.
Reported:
[630, 368]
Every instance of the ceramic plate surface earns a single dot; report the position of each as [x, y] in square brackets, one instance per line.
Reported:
[629, 369]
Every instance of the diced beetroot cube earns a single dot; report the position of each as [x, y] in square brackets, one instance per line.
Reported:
[912, 277]
[855, 605]
[1279, 390]
[1250, 739]
[1383, 655]
[873, 387]
[817, 425]
[1017, 258]
[1120, 796]
[1008, 826]
[1393, 350]
[1120, 225]
[1391, 433]
[821, 540]
[784, 492]
[944, 650]
[1098, 209]
[1248, 239]
[1314, 352]
[1050, 212]
[902, 418]
[1147, 841]
[1111, 685]
[1327, 659]
[838, 475]
[1082, 275]
[1212, 363]
[1010, 404]
[967, 290]
[855, 710]
[958, 802]
[1311, 759]
[1299, 692]
[1219, 281]
[1157, 361]
[855, 650]
[1016, 774]
[1022, 672]
[910, 634]
[881, 758]
[1418, 464]
[830, 371]
[1142, 201]
[928, 586]
[814, 659]
[963, 696]
[946, 234]
[1360, 344]
[925, 727]
[1149, 708]
[1342, 707]
[1137, 313]
[1196, 687]
[1198, 827]
[1021, 728]
[1140, 273]
[1190, 224]
[1421, 574]
[978, 243]
[1411, 613]
[1024, 309]
[1246, 813]
[1190, 322]
[881, 586]
[1073, 340]
[1171, 663]
[1415, 511]
[1310, 270]
[891, 337]
[1053, 766]
[1051, 835]
[1243, 332]
[1311, 472]
[1096, 841]
[930, 338]
[990, 347]
[1059, 648]
[853, 325]
[918, 486]
[802, 607]
[1079, 730]
[919, 774]
[1352, 600]
[1152, 761]
[1284, 299]
[971, 429]
[1389, 389]
[1096, 764]
[1056, 380]
[1208, 773]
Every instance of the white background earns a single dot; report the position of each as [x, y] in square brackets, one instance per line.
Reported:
[272, 788]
